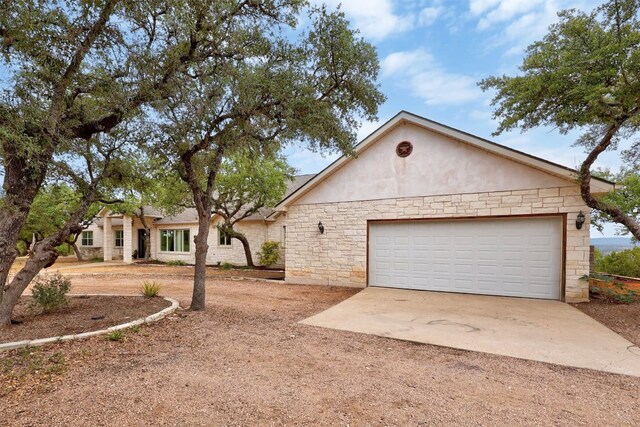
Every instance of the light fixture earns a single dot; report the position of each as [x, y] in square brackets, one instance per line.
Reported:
[321, 227]
[580, 220]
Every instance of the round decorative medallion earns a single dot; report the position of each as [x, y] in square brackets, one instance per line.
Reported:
[404, 149]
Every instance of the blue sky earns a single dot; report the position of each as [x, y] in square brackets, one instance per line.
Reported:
[433, 53]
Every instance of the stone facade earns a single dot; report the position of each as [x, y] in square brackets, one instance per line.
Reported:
[255, 231]
[339, 256]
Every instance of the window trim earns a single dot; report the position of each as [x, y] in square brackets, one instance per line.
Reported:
[88, 239]
[115, 239]
[175, 233]
[227, 238]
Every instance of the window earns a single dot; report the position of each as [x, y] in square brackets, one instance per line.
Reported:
[119, 238]
[87, 238]
[174, 240]
[223, 238]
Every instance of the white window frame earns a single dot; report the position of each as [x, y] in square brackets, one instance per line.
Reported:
[87, 236]
[181, 240]
[227, 239]
[116, 238]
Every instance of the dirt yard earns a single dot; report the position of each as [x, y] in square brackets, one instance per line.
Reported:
[246, 361]
[72, 266]
[621, 318]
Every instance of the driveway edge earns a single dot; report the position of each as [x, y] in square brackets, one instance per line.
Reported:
[143, 320]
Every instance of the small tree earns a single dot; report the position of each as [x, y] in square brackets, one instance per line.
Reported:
[265, 88]
[270, 253]
[585, 73]
[245, 185]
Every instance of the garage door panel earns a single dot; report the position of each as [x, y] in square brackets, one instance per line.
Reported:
[513, 257]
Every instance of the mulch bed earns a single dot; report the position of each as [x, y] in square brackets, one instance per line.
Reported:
[84, 314]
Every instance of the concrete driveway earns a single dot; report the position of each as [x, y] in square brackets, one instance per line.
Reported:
[546, 331]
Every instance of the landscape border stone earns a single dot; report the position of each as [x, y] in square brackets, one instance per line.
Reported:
[143, 320]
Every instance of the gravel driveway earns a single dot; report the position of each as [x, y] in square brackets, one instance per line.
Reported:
[247, 361]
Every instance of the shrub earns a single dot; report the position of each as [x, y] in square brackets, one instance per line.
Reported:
[22, 248]
[176, 262]
[50, 292]
[226, 266]
[623, 263]
[115, 336]
[151, 289]
[63, 249]
[270, 253]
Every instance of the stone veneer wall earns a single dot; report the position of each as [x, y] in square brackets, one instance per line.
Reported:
[339, 256]
[255, 231]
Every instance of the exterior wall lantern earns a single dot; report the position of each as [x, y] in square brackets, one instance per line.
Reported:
[321, 227]
[580, 220]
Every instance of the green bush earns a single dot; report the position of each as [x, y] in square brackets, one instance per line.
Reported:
[176, 262]
[50, 292]
[623, 263]
[226, 266]
[63, 249]
[22, 248]
[270, 253]
[151, 289]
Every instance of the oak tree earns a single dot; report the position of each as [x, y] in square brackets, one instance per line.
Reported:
[583, 75]
[247, 185]
[271, 83]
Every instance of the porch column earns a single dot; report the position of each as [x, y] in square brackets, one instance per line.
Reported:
[107, 241]
[154, 237]
[127, 235]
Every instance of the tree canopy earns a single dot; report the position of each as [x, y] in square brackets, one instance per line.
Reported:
[584, 75]
[246, 185]
[80, 70]
[265, 89]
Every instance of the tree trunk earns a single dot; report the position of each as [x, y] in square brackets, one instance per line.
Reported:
[12, 218]
[147, 235]
[200, 275]
[9, 228]
[615, 213]
[228, 228]
[76, 249]
[44, 255]
[147, 244]
[247, 249]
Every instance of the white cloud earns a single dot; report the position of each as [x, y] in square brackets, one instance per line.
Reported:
[478, 7]
[429, 15]
[376, 19]
[427, 79]
[506, 10]
[518, 23]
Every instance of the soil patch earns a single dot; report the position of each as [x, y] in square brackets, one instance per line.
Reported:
[84, 314]
[247, 361]
[620, 318]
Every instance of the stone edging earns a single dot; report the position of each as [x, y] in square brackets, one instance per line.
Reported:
[149, 319]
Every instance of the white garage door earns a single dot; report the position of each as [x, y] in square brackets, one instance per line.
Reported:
[511, 257]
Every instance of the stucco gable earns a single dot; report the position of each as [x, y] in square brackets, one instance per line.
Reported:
[438, 165]
[444, 161]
